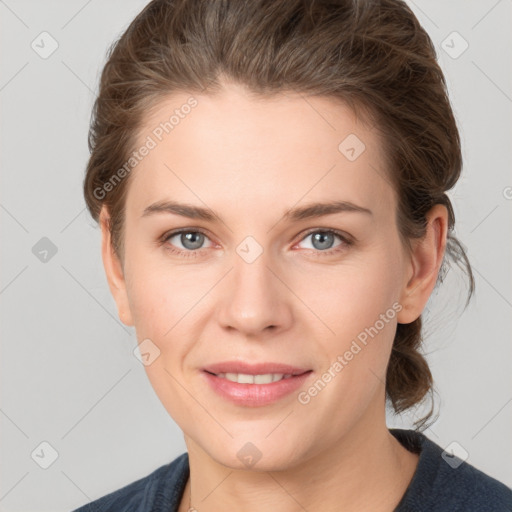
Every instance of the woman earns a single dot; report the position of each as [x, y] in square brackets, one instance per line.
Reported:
[270, 179]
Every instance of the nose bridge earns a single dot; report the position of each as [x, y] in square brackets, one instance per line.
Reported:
[255, 299]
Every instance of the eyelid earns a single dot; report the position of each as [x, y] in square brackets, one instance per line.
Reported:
[342, 234]
[178, 231]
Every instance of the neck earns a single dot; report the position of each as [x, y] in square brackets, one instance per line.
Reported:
[367, 469]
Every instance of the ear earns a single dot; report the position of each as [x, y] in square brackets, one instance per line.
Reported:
[114, 270]
[425, 261]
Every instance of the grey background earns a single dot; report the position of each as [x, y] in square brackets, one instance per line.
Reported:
[68, 373]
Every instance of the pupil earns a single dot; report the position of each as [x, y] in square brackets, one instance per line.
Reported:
[321, 237]
[191, 240]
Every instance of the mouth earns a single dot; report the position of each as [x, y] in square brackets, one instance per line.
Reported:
[254, 385]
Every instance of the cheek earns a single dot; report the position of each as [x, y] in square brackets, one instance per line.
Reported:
[352, 297]
[159, 295]
[159, 303]
[359, 304]
[149, 304]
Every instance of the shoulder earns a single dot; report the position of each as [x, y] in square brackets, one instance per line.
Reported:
[160, 490]
[443, 482]
[472, 490]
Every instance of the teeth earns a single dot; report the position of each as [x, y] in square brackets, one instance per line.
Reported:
[243, 378]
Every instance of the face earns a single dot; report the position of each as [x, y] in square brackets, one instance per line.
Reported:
[260, 282]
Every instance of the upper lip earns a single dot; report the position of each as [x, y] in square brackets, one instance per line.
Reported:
[254, 369]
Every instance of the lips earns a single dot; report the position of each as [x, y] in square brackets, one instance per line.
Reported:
[254, 369]
[254, 385]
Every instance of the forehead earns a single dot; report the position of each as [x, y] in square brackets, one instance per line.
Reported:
[263, 152]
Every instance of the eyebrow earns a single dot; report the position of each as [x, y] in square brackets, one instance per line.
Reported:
[293, 214]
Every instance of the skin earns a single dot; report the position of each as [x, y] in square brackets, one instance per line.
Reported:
[250, 160]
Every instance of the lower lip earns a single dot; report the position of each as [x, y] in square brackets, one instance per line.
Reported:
[255, 395]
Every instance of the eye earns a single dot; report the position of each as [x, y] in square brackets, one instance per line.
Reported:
[322, 241]
[186, 242]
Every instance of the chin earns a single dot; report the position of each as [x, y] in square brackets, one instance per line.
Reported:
[257, 453]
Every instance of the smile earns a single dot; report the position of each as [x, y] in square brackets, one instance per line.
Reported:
[254, 390]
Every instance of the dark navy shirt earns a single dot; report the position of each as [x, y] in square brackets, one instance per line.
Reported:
[438, 485]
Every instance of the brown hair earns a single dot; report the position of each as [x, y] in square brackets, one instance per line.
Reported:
[373, 55]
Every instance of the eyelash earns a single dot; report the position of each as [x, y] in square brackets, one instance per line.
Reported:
[346, 242]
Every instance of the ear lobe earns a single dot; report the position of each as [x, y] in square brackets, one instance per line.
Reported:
[114, 270]
[426, 259]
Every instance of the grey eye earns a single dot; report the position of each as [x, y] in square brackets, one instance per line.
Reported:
[192, 240]
[321, 240]
[189, 240]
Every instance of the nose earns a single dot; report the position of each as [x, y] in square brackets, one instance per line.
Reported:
[255, 300]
